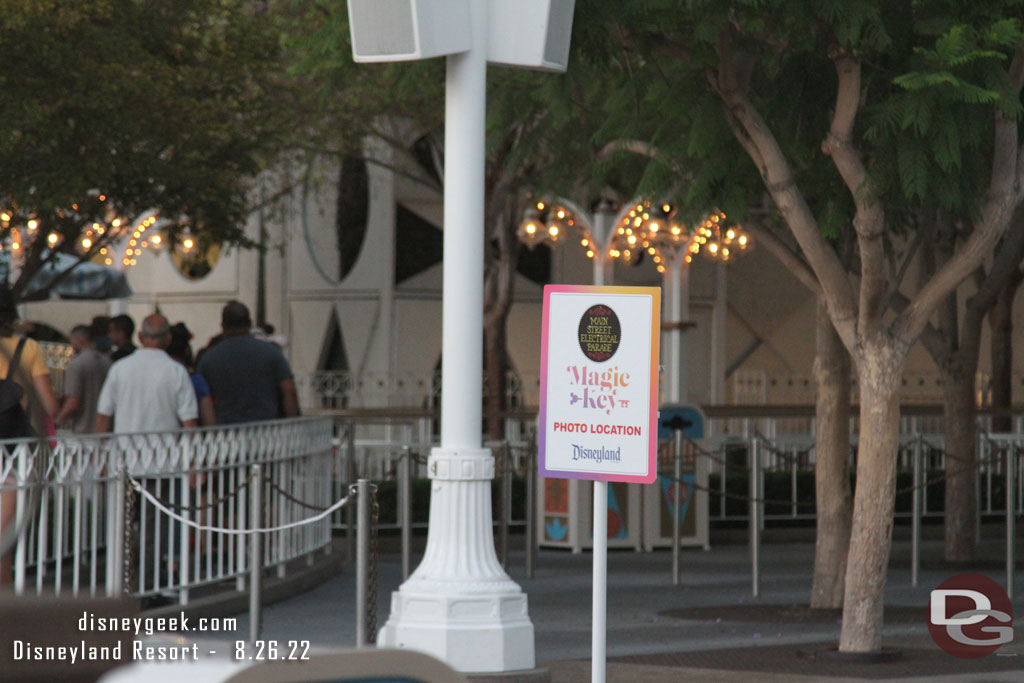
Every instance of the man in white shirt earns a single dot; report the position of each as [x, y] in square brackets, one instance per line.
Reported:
[147, 391]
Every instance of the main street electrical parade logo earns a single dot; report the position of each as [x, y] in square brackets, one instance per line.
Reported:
[600, 334]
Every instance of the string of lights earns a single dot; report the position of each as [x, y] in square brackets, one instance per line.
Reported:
[649, 228]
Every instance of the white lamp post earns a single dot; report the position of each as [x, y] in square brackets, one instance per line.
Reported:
[459, 604]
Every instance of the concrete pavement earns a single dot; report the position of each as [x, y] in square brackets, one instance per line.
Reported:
[708, 629]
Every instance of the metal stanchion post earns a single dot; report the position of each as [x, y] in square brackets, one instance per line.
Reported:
[677, 489]
[531, 512]
[506, 501]
[1011, 519]
[982, 452]
[755, 516]
[350, 475]
[362, 559]
[117, 568]
[255, 555]
[915, 513]
[405, 488]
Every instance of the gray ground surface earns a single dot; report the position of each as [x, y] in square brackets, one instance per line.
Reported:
[709, 628]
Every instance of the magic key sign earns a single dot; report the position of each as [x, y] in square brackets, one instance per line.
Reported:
[599, 383]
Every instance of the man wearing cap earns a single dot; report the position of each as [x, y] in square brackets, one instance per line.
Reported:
[249, 378]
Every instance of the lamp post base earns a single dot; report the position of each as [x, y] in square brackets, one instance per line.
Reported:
[471, 633]
[459, 605]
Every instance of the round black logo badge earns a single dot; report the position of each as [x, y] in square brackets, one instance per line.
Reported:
[599, 333]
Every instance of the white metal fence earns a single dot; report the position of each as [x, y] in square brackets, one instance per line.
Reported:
[70, 491]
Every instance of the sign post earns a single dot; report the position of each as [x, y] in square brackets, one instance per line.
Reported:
[598, 415]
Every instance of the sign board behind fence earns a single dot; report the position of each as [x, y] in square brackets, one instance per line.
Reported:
[599, 383]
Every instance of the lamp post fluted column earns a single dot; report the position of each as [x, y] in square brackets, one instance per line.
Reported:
[459, 605]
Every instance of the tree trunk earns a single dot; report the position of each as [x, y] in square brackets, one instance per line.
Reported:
[834, 506]
[1001, 357]
[494, 367]
[959, 414]
[880, 366]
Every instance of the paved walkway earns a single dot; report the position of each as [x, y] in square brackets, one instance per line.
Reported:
[709, 628]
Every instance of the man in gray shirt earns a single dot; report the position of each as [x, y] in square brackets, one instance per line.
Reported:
[249, 378]
[83, 379]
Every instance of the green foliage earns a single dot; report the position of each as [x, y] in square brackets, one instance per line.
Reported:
[173, 106]
[932, 74]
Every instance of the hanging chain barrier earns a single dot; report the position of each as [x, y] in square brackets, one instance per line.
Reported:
[208, 505]
[273, 486]
[716, 457]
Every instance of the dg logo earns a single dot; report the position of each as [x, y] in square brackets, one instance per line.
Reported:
[970, 616]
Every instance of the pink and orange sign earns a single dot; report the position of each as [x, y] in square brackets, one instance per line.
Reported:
[599, 383]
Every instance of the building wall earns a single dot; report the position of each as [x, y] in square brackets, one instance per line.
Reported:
[391, 333]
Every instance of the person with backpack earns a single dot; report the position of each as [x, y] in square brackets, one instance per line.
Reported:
[26, 397]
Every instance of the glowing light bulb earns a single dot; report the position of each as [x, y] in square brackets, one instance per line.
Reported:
[632, 239]
[5, 216]
[654, 227]
[713, 247]
[553, 231]
[540, 206]
[666, 208]
[590, 253]
[52, 238]
[584, 242]
[187, 243]
[530, 228]
[156, 239]
[116, 222]
[676, 230]
[730, 234]
[560, 213]
[86, 243]
[743, 240]
[33, 224]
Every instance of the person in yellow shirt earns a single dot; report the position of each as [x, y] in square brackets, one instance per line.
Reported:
[33, 376]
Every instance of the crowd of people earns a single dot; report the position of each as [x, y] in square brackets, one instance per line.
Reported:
[111, 385]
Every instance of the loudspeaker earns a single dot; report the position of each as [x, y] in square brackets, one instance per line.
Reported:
[397, 30]
[530, 33]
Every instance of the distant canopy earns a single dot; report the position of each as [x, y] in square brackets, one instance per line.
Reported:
[87, 280]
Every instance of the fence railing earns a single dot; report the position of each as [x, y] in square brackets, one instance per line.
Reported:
[73, 497]
[372, 442]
